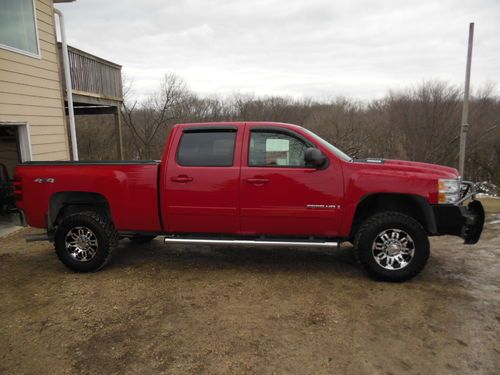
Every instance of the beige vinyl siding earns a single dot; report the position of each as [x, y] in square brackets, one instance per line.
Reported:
[7, 98]
[54, 122]
[14, 88]
[47, 139]
[30, 107]
[48, 148]
[30, 91]
[7, 75]
[52, 66]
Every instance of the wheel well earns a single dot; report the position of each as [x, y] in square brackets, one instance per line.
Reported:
[70, 202]
[412, 205]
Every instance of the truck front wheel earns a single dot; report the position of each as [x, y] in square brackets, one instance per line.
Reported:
[85, 241]
[392, 246]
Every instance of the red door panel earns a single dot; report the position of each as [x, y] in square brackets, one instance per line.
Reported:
[201, 199]
[289, 200]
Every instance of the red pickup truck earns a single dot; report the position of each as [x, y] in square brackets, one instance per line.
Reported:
[250, 183]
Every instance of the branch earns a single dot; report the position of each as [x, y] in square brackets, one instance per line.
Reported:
[481, 137]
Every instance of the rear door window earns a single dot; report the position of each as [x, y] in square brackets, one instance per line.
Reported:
[207, 148]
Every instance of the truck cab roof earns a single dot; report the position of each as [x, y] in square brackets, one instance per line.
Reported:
[238, 124]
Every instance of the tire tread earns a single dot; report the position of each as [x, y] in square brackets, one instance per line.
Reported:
[375, 220]
[108, 229]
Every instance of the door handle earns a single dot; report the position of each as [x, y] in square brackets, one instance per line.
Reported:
[182, 178]
[258, 180]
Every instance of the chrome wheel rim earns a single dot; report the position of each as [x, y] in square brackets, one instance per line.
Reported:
[393, 249]
[81, 244]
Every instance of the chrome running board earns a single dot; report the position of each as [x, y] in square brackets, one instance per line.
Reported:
[37, 237]
[207, 241]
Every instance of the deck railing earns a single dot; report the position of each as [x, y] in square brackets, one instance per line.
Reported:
[93, 76]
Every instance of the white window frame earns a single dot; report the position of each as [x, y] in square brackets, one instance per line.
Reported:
[24, 138]
[23, 52]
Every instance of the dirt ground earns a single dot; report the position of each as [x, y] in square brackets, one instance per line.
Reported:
[194, 309]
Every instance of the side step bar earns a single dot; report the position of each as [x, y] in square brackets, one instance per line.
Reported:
[37, 237]
[180, 240]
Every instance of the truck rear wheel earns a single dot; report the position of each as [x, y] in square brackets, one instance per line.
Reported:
[85, 241]
[392, 246]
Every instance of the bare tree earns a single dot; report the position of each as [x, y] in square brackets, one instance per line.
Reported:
[420, 123]
[156, 112]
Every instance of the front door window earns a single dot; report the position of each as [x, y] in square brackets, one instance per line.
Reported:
[273, 149]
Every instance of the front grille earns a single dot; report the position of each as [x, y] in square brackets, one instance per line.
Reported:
[464, 189]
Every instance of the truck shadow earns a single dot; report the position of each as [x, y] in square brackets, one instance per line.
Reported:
[340, 260]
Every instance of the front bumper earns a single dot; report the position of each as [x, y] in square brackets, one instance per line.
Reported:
[463, 221]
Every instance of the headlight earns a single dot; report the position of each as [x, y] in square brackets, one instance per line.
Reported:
[449, 190]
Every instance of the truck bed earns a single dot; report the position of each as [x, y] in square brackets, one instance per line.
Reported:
[128, 186]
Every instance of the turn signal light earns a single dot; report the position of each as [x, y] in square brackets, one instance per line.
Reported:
[448, 191]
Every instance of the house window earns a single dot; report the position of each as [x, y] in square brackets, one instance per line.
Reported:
[18, 29]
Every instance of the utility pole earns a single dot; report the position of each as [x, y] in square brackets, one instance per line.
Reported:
[465, 111]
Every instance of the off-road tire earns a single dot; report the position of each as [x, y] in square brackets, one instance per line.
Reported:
[105, 232]
[372, 227]
[139, 238]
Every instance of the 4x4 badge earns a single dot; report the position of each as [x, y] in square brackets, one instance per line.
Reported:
[40, 180]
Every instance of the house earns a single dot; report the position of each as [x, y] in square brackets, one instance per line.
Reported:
[34, 100]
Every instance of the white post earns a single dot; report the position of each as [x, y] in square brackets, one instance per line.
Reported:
[69, 90]
[465, 111]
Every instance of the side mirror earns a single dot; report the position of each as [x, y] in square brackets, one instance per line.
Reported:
[314, 157]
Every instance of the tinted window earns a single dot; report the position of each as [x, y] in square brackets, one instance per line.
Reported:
[207, 148]
[273, 149]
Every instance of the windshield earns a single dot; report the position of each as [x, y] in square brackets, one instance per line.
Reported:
[329, 146]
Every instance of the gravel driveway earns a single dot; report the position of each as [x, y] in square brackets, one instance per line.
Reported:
[194, 309]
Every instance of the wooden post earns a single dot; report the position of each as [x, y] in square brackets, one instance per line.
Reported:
[118, 128]
[465, 111]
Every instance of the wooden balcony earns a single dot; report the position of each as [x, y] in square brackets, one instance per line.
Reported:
[97, 87]
[95, 81]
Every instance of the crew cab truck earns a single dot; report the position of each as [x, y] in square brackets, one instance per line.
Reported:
[249, 183]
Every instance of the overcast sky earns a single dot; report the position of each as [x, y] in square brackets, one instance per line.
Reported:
[306, 48]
